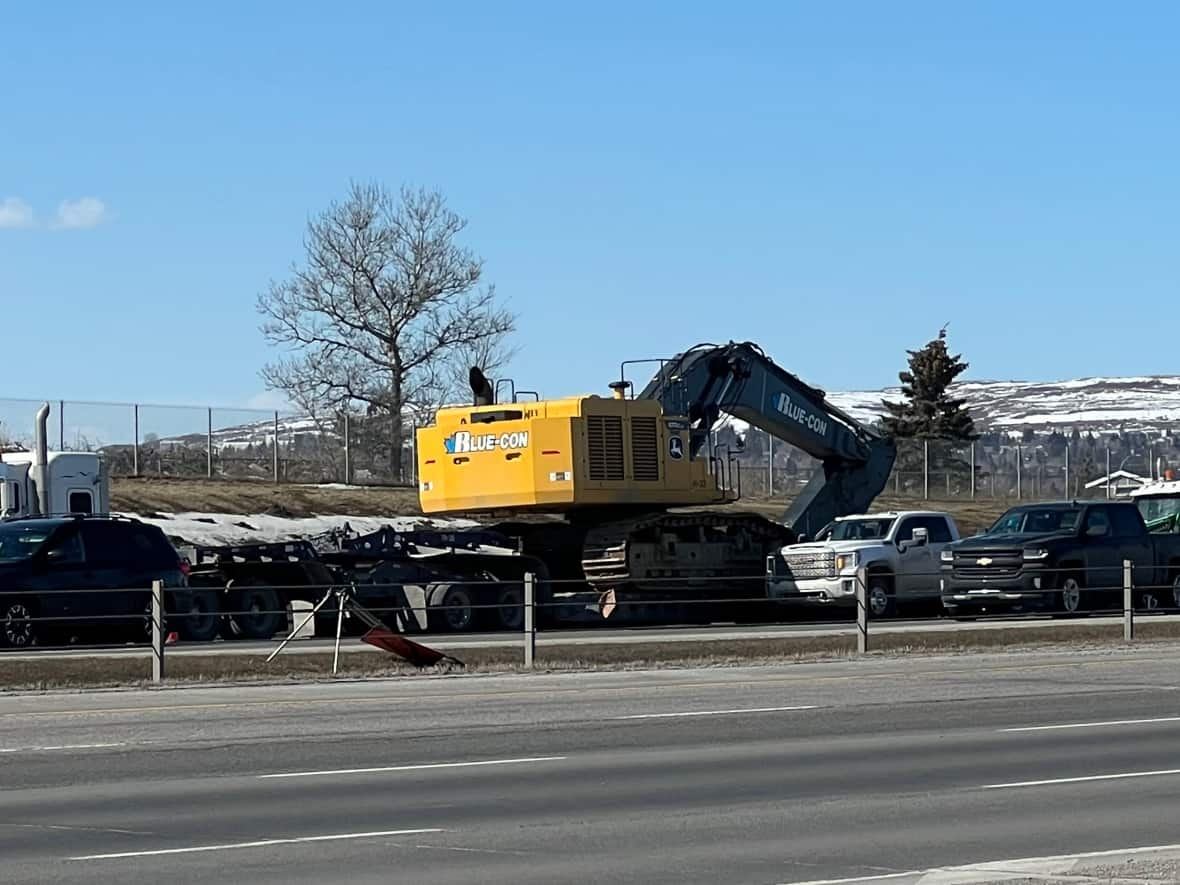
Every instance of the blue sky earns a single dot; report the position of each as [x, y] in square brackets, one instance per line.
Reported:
[831, 180]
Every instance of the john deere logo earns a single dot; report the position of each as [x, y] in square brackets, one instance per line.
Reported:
[464, 442]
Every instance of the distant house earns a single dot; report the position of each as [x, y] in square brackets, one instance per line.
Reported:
[1119, 483]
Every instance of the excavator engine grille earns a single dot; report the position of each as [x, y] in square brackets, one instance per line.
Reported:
[645, 455]
[604, 443]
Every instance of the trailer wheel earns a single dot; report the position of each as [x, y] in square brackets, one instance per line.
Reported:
[510, 614]
[202, 622]
[17, 627]
[452, 610]
[264, 614]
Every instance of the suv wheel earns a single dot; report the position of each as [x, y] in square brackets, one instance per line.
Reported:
[17, 624]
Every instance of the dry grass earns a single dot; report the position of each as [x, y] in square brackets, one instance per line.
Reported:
[194, 669]
[222, 496]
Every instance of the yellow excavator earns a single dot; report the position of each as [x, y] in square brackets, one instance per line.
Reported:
[637, 499]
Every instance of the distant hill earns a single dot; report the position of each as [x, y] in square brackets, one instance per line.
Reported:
[1142, 404]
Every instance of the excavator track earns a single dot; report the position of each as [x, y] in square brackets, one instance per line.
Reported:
[672, 555]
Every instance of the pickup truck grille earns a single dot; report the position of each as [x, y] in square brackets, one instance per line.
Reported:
[1005, 564]
[810, 565]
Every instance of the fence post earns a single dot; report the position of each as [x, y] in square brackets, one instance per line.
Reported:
[157, 631]
[925, 470]
[1019, 473]
[972, 471]
[135, 445]
[530, 621]
[769, 466]
[1108, 472]
[1067, 492]
[862, 611]
[276, 453]
[1128, 604]
[347, 450]
[209, 443]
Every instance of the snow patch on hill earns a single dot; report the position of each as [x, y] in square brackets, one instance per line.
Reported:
[1146, 403]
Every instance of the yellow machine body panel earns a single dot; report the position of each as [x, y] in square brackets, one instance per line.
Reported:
[560, 455]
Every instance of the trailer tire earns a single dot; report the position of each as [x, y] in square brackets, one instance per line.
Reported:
[202, 622]
[264, 616]
[452, 609]
[510, 614]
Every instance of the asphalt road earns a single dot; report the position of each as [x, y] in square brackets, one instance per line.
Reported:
[600, 636]
[801, 773]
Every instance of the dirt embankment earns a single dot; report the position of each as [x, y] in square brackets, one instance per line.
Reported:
[147, 496]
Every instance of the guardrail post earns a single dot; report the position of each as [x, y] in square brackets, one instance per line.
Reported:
[530, 621]
[862, 612]
[1128, 604]
[157, 631]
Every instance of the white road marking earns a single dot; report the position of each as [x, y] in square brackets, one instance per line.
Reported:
[262, 843]
[711, 713]
[61, 747]
[425, 767]
[1078, 780]
[1110, 724]
[999, 870]
[879, 878]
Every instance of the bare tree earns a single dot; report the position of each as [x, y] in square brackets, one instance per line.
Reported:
[386, 307]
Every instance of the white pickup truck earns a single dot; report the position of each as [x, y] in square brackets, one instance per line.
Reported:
[899, 552]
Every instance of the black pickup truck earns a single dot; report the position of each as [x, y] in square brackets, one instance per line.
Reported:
[1061, 557]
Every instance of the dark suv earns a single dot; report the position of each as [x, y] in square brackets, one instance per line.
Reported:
[67, 575]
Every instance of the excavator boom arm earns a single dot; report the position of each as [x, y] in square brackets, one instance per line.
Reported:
[740, 380]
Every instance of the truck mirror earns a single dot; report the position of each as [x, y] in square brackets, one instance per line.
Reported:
[921, 536]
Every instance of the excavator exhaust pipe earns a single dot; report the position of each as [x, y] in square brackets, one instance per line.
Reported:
[481, 388]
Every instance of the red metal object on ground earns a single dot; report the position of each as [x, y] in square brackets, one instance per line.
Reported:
[417, 654]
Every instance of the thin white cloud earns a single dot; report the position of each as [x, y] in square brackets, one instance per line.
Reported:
[269, 400]
[83, 213]
[15, 212]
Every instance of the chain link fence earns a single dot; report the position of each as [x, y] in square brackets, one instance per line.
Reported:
[198, 442]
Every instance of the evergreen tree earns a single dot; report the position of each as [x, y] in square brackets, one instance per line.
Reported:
[930, 412]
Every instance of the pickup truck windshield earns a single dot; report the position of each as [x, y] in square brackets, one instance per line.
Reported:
[1158, 511]
[21, 541]
[860, 529]
[1036, 521]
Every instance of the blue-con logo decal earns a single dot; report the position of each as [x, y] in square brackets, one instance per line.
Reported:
[464, 442]
[801, 414]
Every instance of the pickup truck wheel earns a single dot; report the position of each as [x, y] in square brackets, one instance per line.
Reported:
[1071, 596]
[881, 601]
[17, 627]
